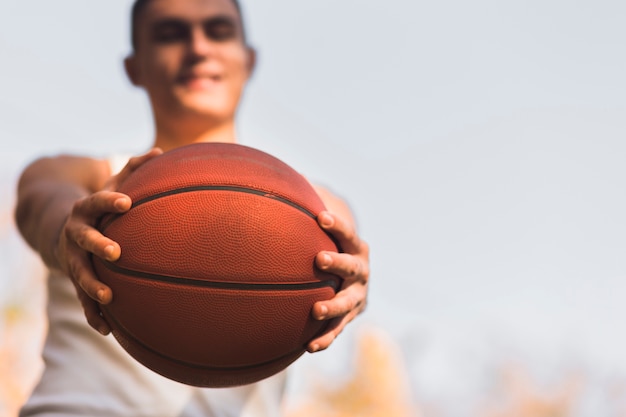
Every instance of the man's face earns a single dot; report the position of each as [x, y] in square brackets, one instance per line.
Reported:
[191, 57]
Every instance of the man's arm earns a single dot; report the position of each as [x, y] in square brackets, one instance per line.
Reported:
[59, 202]
[47, 190]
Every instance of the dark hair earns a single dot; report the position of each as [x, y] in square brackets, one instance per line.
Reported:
[140, 5]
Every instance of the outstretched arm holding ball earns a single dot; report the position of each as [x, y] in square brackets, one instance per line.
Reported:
[59, 202]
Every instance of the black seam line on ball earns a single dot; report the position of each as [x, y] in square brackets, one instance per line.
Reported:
[128, 335]
[224, 188]
[223, 285]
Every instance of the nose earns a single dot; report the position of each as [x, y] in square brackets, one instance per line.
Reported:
[199, 45]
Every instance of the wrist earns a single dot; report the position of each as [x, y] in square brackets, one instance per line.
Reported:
[54, 260]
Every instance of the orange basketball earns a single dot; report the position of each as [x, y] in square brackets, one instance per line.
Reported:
[216, 280]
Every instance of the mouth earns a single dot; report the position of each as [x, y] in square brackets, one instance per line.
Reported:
[198, 80]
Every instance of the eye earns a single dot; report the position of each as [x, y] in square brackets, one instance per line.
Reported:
[170, 31]
[220, 29]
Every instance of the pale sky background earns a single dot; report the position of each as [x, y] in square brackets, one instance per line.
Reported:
[481, 145]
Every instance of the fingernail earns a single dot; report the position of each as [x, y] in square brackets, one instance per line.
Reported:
[100, 295]
[108, 251]
[121, 204]
[327, 220]
[323, 312]
[326, 260]
[315, 348]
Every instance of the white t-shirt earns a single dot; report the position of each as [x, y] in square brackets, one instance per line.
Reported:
[87, 374]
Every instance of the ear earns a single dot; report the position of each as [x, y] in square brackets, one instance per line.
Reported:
[132, 72]
[252, 57]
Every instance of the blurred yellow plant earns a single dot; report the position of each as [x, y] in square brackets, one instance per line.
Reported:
[378, 387]
[518, 395]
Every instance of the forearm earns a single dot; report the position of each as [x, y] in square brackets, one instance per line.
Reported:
[41, 212]
[46, 194]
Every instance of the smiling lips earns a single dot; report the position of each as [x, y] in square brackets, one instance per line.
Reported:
[199, 80]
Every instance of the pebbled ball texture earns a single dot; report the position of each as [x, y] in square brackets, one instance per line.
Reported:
[216, 280]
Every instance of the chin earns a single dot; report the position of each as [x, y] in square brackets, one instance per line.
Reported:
[207, 108]
[207, 114]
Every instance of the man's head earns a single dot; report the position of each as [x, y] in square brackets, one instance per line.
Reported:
[191, 57]
[138, 7]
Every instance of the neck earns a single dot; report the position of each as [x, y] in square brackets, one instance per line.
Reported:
[185, 132]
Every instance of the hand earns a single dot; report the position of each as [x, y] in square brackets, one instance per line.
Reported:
[353, 266]
[79, 238]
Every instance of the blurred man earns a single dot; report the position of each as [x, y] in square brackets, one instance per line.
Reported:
[192, 59]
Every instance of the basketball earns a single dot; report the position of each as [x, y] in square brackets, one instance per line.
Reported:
[216, 280]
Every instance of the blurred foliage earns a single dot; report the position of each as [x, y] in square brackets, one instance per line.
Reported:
[378, 386]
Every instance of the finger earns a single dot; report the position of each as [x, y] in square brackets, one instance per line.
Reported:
[352, 299]
[343, 232]
[132, 165]
[102, 202]
[91, 240]
[136, 161]
[335, 327]
[82, 274]
[92, 314]
[347, 266]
